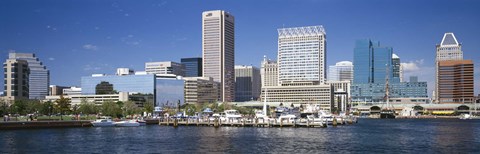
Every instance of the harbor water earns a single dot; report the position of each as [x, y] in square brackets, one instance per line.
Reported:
[367, 136]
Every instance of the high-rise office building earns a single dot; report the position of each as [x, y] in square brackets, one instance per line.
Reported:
[247, 83]
[16, 79]
[302, 55]
[455, 81]
[269, 72]
[39, 78]
[447, 51]
[218, 46]
[200, 90]
[193, 67]
[166, 67]
[373, 65]
[341, 71]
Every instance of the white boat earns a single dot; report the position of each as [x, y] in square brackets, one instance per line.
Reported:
[468, 116]
[103, 123]
[326, 115]
[232, 116]
[287, 118]
[142, 122]
[127, 123]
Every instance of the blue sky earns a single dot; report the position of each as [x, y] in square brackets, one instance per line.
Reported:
[76, 38]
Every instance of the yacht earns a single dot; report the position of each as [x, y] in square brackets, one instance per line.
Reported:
[127, 123]
[468, 116]
[105, 122]
[232, 115]
[326, 116]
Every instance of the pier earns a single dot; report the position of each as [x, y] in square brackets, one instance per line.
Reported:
[43, 124]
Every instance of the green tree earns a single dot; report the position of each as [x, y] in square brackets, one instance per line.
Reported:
[19, 107]
[4, 105]
[190, 109]
[130, 108]
[62, 105]
[87, 107]
[148, 107]
[112, 109]
[46, 108]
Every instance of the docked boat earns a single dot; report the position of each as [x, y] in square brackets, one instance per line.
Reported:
[232, 116]
[287, 118]
[106, 122]
[326, 116]
[468, 117]
[142, 122]
[387, 114]
[127, 123]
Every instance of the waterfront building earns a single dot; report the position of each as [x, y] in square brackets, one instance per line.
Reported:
[96, 99]
[302, 55]
[193, 67]
[125, 71]
[269, 72]
[16, 80]
[247, 83]
[39, 78]
[455, 81]
[341, 71]
[373, 64]
[166, 67]
[201, 90]
[454, 76]
[298, 95]
[56, 90]
[218, 51]
[72, 91]
[341, 95]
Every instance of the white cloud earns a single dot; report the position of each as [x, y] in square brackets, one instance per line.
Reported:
[90, 47]
[410, 66]
[51, 58]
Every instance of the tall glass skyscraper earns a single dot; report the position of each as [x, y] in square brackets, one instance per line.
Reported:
[218, 46]
[39, 78]
[193, 67]
[371, 62]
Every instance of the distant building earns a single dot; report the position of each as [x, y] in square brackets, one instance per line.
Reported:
[201, 90]
[373, 65]
[56, 90]
[454, 76]
[96, 99]
[162, 68]
[341, 71]
[269, 72]
[193, 67]
[218, 48]
[247, 83]
[341, 94]
[321, 95]
[72, 91]
[39, 78]
[302, 55]
[455, 81]
[125, 71]
[16, 79]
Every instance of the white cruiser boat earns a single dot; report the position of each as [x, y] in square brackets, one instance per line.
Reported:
[127, 123]
[232, 115]
[326, 115]
[287, 118]
[468, 116]
[106, 122]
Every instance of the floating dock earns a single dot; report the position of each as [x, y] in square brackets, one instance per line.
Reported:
[248, 123]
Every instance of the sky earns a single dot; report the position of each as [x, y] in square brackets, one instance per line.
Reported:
[76, 38]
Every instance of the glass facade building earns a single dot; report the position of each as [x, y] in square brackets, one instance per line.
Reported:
[165, 90]
[39, 78]
[372, 65]
[193, 67]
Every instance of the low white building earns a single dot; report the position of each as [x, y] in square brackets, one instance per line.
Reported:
[97, 99]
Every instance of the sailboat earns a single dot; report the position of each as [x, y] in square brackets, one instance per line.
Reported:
[387, 113]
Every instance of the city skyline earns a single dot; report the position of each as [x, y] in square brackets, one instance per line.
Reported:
[88, 45]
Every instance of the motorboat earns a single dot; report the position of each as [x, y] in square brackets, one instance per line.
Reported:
[142, 122]
[232, 115]
[326, 115]
[468, 116]
[387, 114]
[105, 122]
[127, 123]
[287, 117]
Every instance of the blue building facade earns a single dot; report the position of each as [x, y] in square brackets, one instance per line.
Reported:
[163, 90]
[372, 65]
[193, 67]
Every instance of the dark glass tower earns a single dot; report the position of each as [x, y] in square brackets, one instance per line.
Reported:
[193, 67]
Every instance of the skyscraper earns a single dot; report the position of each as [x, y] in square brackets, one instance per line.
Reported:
[218, 46]
[373, 64]
[193, 67]
[269, 72]
[16, 79]
[39, 78]
[247, 83]
[450, 65]
[341, 71]
[302, 55]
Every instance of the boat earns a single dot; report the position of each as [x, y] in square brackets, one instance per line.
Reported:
[232, 115]
[105, 122]
[287, 117]
[142, 122]
[387, 113]
[468, 117]
[326, 116]
[127, 123]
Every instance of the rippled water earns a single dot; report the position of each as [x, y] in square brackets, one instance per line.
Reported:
[369, 135]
